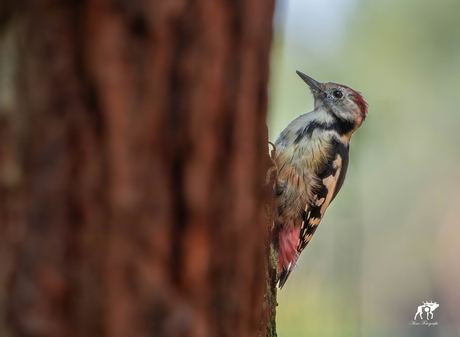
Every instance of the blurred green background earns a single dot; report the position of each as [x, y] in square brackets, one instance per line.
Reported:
[391, 238]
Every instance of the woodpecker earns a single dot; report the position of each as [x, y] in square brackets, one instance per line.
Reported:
[312, 160]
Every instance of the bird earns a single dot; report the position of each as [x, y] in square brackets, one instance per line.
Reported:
[312, 155]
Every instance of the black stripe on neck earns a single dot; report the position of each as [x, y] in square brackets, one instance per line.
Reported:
[341, 126]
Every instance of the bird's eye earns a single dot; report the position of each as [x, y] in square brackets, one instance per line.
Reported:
[337, 94]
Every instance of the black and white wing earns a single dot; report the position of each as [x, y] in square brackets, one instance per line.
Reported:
[330, 182]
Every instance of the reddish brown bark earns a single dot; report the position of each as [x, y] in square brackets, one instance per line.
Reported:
[132, 165]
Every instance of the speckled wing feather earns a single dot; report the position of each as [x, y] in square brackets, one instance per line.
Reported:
[331, 180]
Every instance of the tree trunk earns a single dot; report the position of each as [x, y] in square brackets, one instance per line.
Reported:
[132, 165]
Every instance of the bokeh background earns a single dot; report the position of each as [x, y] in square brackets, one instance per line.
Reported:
[391, 238]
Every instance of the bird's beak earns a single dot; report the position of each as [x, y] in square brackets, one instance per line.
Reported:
[313, 84]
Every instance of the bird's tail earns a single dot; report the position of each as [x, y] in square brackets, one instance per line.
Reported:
[283, 277]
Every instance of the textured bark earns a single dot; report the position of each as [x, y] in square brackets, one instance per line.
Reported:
[268, 323]
[132, 164]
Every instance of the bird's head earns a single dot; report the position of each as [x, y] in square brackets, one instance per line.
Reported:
[339, 100]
